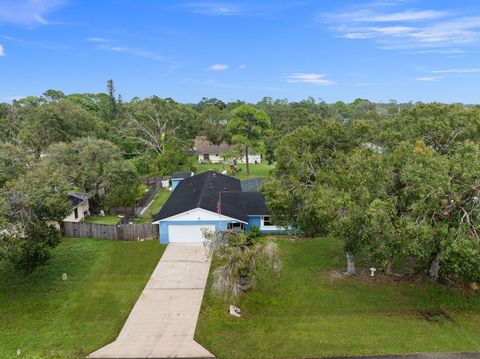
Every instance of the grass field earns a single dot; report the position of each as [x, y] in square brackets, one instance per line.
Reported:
[46, 317]
[308, 312]
[256, 170]
[157, 203]
[103, 219]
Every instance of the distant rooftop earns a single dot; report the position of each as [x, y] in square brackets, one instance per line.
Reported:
[76, 198]
[181, 175]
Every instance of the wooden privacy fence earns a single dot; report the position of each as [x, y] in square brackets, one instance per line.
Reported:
[129, 212]
[148, 197]
[153, 179]
[123, 232]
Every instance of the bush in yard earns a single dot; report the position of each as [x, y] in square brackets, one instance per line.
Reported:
[254, 232]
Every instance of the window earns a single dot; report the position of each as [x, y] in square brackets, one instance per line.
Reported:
[267, 222]
[75, 213]
[236, 226]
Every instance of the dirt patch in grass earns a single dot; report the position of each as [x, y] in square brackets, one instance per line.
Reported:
[435, 315]
[363, 275]
[336, 275]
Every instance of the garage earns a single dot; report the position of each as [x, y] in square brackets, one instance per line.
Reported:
[187, 233]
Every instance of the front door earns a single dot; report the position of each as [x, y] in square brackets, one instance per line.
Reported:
[206, 156]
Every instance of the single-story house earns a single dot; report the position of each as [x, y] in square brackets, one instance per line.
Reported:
[207, 152]
[178, 176]
[211, 201]
[80, 206]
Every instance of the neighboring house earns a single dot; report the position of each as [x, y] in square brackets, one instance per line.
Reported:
[210, 153]
[80, 207]
[178, 176]
[211, 201]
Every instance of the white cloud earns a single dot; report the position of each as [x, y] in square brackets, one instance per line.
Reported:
[310, 78]
[214, 8]
[28, 12]
[97, 40]
[428, 78]
[2, 51]
[134, 51]
[375, 32]
[439, 51]
[242, 66]
[458, 70]
[218, 67]
[408, 29]
[363, 84]
[368, 16]
[107, 45]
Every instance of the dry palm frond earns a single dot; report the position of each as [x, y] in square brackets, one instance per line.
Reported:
[242, 257]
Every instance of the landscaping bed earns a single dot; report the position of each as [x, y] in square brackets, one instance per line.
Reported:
[47, 317]
[308, 312]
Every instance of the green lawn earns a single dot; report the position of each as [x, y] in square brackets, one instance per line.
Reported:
[256, 170]
[308, 313]
[102, 219]
[46, 317]
[157, 203]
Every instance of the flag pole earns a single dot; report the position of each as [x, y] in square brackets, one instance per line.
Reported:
[219, 209]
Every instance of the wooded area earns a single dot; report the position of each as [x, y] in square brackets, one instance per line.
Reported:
[391, 180]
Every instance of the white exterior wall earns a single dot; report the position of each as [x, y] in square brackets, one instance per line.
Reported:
[218, 158]
[82, 208]
[214, 158]
[198, 214]
[251, 159]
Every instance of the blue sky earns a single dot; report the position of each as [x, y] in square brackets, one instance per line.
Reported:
[332, 50]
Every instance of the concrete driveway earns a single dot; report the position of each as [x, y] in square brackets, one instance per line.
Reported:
[162, 322]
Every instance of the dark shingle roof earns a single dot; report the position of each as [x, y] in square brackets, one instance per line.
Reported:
[181, 175]
[240, 205]
[202, 191]
[204, 146]
[75, 198]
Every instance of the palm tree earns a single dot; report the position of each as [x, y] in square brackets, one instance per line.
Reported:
[242, 256]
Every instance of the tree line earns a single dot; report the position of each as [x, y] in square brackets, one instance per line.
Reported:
[391, 180]
[390, 187]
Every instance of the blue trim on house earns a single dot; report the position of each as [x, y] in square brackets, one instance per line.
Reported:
[253, 221]
[257, 221]
[220, 225]
[175, 182]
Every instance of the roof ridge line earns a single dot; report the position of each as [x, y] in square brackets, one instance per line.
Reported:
[199, 199]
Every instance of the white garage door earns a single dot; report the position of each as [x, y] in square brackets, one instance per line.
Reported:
[187, 233]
